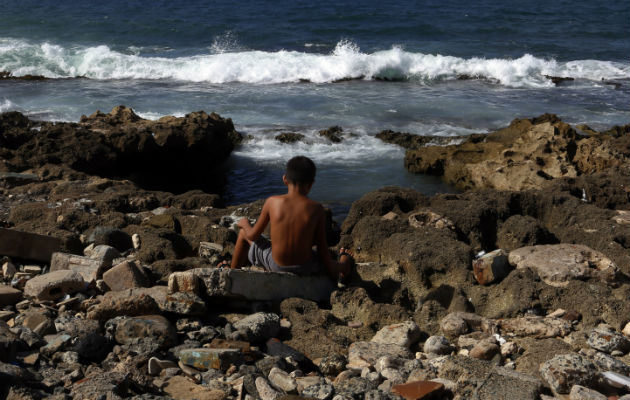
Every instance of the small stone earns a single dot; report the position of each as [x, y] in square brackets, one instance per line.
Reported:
[307, 381]
[509, 348]
[437, 345]
[626, 329]
[204, 359]
[390, 216]
[125, 275]
[404, 334]
[319, 391]
[557, 314]
[265, 391]
[485, 350]
[185, 281]
[563, 371]
[31, 359]
[8, 270]
[285, 323]
[135, 239]
[604, 338]
[453, 325]
[491, 267]
[32, 269]
[333, 364]
[282, 381]
[54, 285]
[417, 390]
[583, 393]
[259, 327]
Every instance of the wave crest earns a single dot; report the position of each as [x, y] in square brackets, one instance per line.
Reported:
[346, 61]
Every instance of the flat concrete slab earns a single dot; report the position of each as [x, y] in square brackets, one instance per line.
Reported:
[263, 286]
[27, 246]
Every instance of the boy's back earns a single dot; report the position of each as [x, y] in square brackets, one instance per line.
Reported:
[294, 220]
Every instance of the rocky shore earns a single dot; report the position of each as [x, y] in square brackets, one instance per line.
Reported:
[516, 288]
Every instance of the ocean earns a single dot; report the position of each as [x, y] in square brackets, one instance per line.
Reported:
[302, 66]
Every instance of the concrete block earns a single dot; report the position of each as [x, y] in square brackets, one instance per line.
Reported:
[90, 269]
[27, 246]
[54, 285]
[125, 276]
[263, 286]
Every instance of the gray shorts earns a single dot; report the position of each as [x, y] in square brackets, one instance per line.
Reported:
[260, 256]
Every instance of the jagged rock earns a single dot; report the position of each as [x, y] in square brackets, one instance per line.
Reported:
[155, 328]
[289, 137]
[564, 371]
[583, 393]
[282, 381]
[485, 349]
[491, 267]
[54, 285]
[333, 364]
[125, 275]
[366, 354]
[204, 359]
[533, 326]
[404, 334]
[437, 345]
[606, 362]
[123, 303]
[259, 327]
[184, 303]
[334, 134]
[319, 391]
[265, 391]
[558, 264]
[604, 338]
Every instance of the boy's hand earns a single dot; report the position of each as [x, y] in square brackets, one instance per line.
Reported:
[243, 223]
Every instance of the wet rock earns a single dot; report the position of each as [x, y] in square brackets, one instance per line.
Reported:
[558, 264]
[564, 371]
[437, 345]
[54, 285]
[155, 328]
[204, 359]
[491, 267]
[404, 334]
[9, 295]
[334, 134]
[583, 393]
[605, 339]
[125, 275]
[366, 354]
[259, 327]
[289, 137]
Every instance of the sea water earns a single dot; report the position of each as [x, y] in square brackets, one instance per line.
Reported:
[303, 66]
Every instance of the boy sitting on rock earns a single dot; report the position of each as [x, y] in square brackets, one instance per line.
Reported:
[297, 224]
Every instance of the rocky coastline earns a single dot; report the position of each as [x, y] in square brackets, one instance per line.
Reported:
[516, 288]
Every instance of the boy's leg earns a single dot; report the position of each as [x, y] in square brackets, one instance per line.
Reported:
[240, 250]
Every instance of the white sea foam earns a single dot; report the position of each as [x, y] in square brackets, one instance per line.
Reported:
[7, 105]
[223, 64]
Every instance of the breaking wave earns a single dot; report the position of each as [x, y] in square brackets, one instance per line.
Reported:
[345, 62]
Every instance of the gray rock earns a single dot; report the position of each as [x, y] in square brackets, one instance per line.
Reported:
[606, 363]
[604, 338]
[365, 354]
[320, 391]
[354, 387]
[153, 327]
[184, 303]
[259, 327]
[583, 393]
[404, 334]
[564, 371]
[265, 391]
[54, 344]
[560, 263]
[282, 381]
[437, 345]
[332, 365]
[54, 285]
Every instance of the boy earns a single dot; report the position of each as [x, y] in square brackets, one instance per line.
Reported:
[297, 223]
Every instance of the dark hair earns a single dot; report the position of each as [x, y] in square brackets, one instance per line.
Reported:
[300, 169]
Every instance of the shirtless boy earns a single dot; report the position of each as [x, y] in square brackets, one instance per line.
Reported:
[297, 223]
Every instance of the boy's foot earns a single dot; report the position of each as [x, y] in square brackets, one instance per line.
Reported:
[346, 257]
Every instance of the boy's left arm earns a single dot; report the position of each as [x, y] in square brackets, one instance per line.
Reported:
[252, 233]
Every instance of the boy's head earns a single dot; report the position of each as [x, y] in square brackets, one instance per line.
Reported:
[300, 171]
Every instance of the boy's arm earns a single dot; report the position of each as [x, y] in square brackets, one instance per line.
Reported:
[252, 233]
